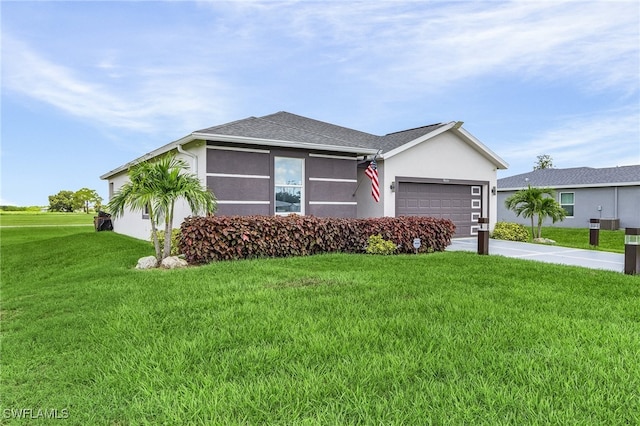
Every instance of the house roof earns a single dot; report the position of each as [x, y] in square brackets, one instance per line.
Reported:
[395, 140]
[284, 126]
[573, 178]
[285, 129]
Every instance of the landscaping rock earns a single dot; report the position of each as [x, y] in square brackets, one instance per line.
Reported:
[543, 241]
[173, 262]
[148, 262]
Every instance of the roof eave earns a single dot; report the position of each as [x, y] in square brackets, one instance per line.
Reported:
[162, 150]
[482, 148]
[574, 186]
[283, 144]
[236, 139]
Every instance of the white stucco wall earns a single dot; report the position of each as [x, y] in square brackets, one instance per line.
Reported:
[445, 156]
[132, 223]
[367, 206]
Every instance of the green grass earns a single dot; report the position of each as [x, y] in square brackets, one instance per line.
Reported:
[44, 219]
[612, 241]
[445, 338]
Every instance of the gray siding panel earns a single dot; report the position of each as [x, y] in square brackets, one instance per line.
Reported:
[321, 210]
[331, 191]
[629, 207]
[334, 168]
[242, 161]
[238, 162]
[243, 210]
[239, 189]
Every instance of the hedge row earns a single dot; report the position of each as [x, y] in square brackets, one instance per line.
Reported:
[206, 239]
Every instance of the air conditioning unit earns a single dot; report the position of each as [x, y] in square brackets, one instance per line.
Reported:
[610, 224]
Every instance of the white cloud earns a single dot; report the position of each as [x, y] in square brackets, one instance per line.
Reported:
[192, 75]
[435, 44]
[143, 100]
[605, 139]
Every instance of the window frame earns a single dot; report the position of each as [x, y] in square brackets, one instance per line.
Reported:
[301, 186]
[572, 204]
[145, 212]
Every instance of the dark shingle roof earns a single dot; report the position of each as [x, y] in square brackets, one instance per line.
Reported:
[284, 126]
[579, 176]
[397, 139]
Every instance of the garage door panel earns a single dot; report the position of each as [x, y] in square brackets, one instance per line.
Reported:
[459, 203]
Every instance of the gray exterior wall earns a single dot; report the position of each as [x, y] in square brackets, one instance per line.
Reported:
[616, 203]
[242, 179]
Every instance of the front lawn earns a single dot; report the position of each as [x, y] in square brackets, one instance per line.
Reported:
[445, 338]
[612, 241]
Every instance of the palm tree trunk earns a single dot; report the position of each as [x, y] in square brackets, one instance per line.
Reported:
[168, 230]
[533, 233]
[154, 234]
[540, 220]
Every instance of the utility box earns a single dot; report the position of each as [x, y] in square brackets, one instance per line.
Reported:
[610, 224]
[102, 222]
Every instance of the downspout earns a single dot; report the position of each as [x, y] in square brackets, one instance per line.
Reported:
[615, 202]
[194, 158]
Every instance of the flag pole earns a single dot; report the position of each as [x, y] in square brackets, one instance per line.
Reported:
[360, 180]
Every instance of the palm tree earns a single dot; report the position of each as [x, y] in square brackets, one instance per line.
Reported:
[138, 195]
[538, 202]
[156, 186]
[550, 208]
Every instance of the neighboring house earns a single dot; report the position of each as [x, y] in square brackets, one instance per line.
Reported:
[611, 194]
[284, 163]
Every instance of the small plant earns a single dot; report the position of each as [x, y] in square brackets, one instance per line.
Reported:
[378, 245]
[511, 232]
[175, 245]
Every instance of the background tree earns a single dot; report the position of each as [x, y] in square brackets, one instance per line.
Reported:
[536, 202]
[157, 185]
[85, 196]
[544, 161]
[63, 201]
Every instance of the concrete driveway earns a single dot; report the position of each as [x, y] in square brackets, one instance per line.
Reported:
[544, 253]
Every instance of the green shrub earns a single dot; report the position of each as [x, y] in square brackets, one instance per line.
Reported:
[211, 238]
[511, 232]
[378, 245]
[175, 238]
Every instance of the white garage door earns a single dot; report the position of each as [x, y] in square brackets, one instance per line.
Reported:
[462, 204]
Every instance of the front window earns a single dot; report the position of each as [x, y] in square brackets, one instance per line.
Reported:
[567, 202]
[289, 185]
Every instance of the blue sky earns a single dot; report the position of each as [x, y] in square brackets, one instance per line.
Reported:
[88, 86]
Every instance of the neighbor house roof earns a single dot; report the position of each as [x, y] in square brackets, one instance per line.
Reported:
[285, 129]
[586, 177]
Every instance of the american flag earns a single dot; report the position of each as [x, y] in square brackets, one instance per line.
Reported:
[372, 173]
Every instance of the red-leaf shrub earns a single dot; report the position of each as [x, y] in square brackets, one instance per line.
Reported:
[205, 239]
